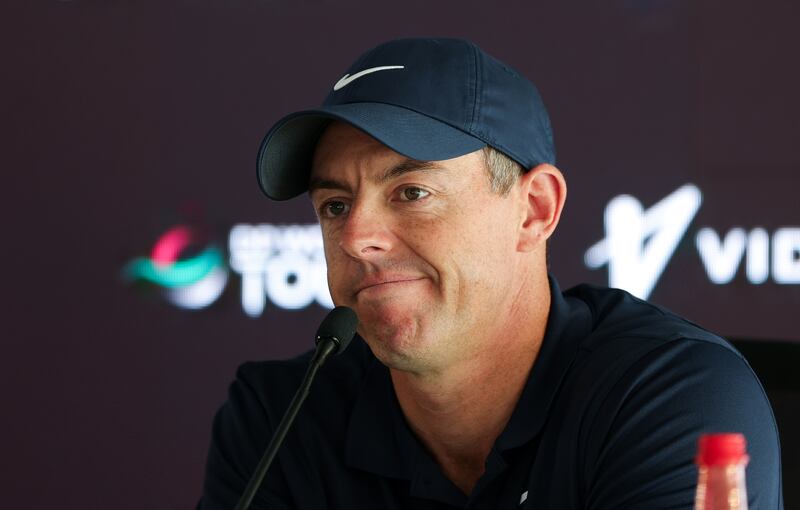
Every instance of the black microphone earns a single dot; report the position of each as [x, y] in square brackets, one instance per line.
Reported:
[333, 337]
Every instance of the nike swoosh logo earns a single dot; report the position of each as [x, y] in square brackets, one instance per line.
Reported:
[347, 79]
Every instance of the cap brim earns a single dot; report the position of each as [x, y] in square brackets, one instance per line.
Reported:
[285, 156]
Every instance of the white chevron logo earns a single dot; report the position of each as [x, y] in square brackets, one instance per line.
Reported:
[639, 243]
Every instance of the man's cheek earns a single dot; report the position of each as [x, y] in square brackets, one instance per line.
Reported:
[341, 289]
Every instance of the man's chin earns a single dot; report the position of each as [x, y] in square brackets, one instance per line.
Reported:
[397, 355]
[393, 334]
[398, 312]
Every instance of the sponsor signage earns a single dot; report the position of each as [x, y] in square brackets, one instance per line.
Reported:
[639, 243]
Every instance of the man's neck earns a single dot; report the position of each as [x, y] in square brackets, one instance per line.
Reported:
[459, 413]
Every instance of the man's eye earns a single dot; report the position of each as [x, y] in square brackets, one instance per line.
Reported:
[334, 208]
[411, 194]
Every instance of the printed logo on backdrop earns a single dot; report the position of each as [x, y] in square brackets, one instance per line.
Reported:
[639, 244]
[190, 272]
[281, 266]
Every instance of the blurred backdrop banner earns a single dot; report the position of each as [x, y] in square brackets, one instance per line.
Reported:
[143, 264]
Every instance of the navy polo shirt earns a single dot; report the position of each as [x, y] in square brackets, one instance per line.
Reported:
[609, 418]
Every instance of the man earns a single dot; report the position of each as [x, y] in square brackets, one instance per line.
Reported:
[474, 382]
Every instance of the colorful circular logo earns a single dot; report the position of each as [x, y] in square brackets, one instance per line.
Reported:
[189, 280]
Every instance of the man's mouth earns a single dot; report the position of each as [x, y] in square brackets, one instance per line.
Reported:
[379, 282]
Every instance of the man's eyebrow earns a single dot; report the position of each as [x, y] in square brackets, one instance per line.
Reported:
[409, 165]
[316, 183]
[405, 166]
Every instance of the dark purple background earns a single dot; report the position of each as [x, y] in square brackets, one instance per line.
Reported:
[121, 119]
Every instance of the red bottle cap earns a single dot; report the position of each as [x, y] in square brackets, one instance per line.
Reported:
[721, 449]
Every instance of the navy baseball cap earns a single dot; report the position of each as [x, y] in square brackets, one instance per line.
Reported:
[427, 99]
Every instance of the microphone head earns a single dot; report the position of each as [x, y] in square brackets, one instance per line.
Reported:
[340, 326]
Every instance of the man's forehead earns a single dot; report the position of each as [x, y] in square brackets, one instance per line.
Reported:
[341, 145]
[331, 179]
[343, 148]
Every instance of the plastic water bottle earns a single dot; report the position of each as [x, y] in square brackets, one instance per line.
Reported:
[721, 459]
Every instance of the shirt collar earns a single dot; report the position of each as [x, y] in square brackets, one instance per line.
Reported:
[568, 322]
[378, 439]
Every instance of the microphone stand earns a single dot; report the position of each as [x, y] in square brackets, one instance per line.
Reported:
[324, 349]
[333, 336]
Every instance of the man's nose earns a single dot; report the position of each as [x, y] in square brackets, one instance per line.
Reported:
[366, 234]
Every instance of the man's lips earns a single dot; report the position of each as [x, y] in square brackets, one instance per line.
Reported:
[383, 281]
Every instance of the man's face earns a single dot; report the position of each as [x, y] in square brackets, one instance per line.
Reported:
[424, 252]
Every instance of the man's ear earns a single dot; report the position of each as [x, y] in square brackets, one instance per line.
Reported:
[543, 191]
